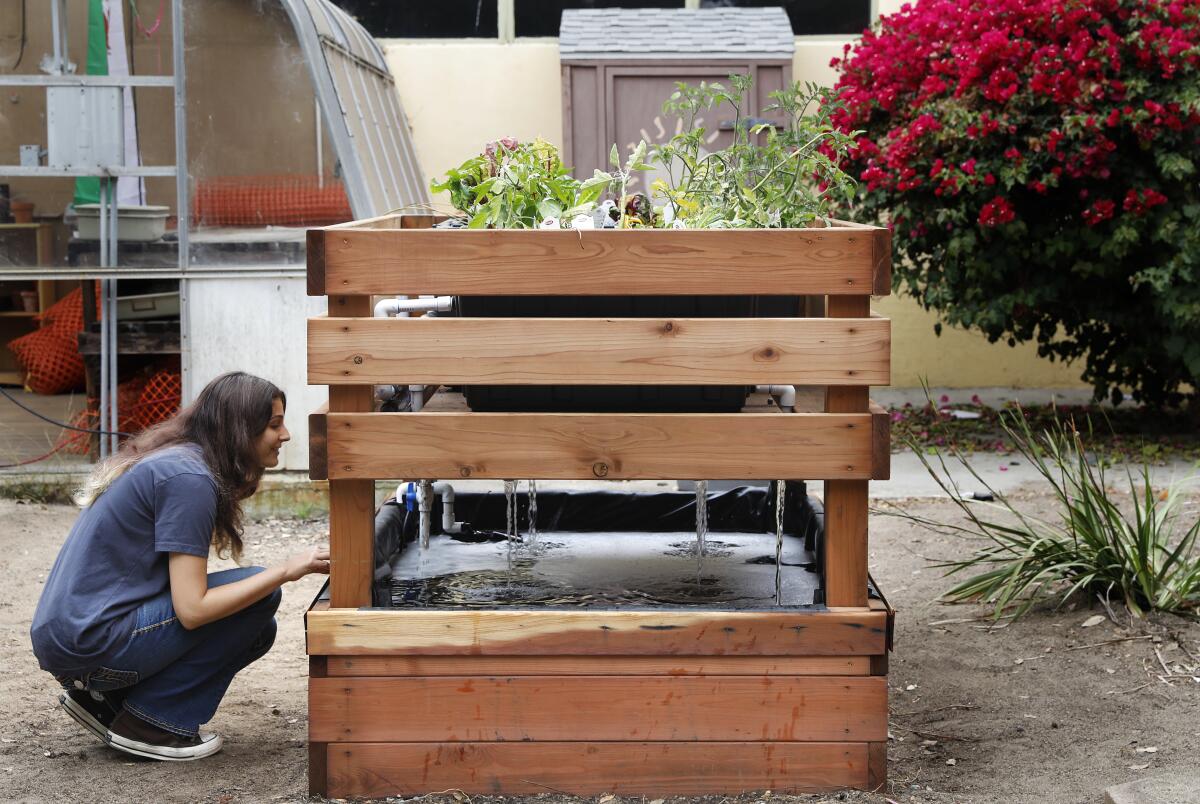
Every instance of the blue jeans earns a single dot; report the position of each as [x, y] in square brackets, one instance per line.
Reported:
[175, 678]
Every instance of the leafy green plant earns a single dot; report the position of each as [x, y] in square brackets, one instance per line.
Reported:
[770, 176]
[1140, 555]
[514, 185]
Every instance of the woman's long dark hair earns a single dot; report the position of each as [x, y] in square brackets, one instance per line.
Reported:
[226, 421]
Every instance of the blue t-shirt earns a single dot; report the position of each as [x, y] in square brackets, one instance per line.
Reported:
[115, 557]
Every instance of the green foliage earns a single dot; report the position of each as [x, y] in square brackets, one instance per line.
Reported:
[1138, 554]
[769, 176]
[514, 185]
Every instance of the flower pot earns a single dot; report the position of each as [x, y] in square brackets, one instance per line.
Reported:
[22, 212]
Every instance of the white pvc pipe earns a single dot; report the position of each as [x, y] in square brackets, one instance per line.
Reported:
[425, 492]
[446, 491]
[786, 394]
[399, 306]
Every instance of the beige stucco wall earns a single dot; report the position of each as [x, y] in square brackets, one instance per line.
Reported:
[459, 94]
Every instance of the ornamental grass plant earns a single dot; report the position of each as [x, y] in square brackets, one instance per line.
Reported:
[1141, 553]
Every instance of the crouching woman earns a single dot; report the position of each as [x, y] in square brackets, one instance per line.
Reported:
[143, 638]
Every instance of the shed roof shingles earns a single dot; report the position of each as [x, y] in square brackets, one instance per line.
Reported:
[615, 33]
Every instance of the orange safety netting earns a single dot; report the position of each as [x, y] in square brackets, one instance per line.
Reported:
[49, 356]
[51, 362]
[270, 201]
[141, 403]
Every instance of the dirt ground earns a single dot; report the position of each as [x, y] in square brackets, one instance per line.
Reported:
[1042, 710]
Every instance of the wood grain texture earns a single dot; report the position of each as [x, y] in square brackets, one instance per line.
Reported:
[846, 499]
[351, 501]
[351, 542]
[846, 543]
[876, 766]
[881, 284]
[314, 240]
[318, 444]
[551, 708]
[318, 768]
[379, 632]
[606, 666]
[732, 446]
[420, 221]
[835, 260]
[390, 220]
[588, 769]
[597, 351]
[881, 442]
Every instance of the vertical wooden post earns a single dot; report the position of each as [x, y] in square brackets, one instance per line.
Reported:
[846, 500]
[318, 753]
[351, 502]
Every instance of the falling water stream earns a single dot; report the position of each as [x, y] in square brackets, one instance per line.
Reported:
[533, 514]
[780, 493]
[701, 523]
[510, 514]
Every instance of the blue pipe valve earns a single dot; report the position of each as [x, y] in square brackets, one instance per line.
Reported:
[410, 497]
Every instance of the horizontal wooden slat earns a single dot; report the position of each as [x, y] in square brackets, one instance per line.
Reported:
[881, 284]
[617, 446]
[836, 260]
[350, 632]
[597, 351]
[598, 666]
[587, 769]
[471, 708]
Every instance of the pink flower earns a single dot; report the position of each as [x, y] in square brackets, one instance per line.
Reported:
[996, 212]
[1099, 212]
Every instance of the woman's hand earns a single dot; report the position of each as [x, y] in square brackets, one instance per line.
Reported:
[196, 604]
[314, 559]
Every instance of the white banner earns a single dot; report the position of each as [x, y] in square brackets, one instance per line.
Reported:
[130, 189]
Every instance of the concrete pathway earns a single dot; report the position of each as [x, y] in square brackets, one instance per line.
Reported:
[1003, 473]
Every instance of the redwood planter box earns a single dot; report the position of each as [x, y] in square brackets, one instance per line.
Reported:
[638, 702]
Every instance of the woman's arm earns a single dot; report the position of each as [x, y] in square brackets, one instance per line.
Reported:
[196, 605]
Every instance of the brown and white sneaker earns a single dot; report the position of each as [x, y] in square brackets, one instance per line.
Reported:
[133, 735]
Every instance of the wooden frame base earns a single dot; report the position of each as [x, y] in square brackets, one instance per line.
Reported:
[650, 703]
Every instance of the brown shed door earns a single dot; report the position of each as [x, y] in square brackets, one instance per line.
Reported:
[622, 104]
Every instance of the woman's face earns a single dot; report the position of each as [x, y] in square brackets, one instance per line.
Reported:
[273, 437]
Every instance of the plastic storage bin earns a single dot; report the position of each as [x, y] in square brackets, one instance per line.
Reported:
[134, 223]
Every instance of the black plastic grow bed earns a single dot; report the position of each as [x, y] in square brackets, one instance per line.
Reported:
[469, 569]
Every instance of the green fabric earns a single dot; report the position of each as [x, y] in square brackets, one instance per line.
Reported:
[87, 190]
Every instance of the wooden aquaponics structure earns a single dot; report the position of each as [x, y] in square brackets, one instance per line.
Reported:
[650, 702]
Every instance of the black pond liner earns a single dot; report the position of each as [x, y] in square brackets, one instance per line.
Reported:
[596, 536]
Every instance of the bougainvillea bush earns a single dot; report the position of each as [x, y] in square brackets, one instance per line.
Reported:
[1038, 162]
